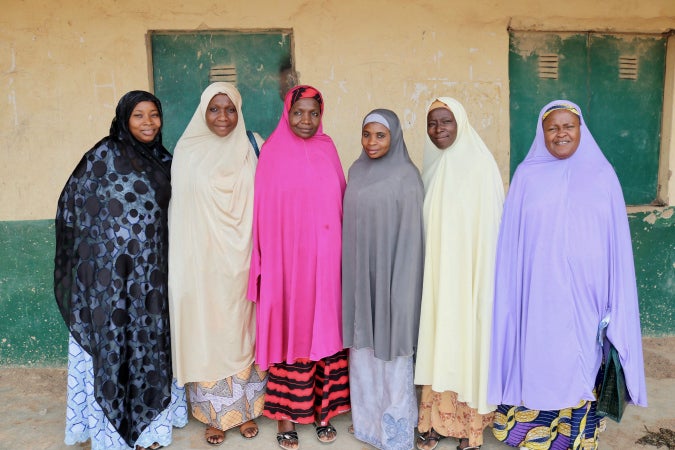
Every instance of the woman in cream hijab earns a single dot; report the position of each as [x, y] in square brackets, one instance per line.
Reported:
[210, 219]
[462, 209]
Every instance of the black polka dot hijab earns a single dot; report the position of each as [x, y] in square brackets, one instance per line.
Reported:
[120, 125]
[119, 128]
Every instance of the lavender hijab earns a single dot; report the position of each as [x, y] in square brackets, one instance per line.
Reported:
[564, 262]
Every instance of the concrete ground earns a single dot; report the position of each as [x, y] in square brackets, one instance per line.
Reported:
[33, 409]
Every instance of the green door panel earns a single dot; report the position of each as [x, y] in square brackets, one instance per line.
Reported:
[182, 62]
[622, 112]
[529, 92]
[625, 113]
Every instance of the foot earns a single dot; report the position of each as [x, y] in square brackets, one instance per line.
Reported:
[350, 429]
[154, 446]
[428, 440]
[326, 433]
[249, 429]
[287, 437]
[214, 436]
[464, 445]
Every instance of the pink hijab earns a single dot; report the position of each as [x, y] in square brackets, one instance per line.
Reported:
[297, 229]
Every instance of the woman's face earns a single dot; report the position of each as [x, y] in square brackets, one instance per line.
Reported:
[305, 117]
[145, 122]
[375, 139]
[221, 115]
[441, 127]
[562, 133]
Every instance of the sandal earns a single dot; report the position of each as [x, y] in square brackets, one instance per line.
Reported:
[214, 436]
[154, 446]
[248, 430]
[431, 437]
[291, 439]
[459, 447]
[323, 433]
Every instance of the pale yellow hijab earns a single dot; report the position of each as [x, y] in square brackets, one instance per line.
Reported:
[462, 209]
[210, 222]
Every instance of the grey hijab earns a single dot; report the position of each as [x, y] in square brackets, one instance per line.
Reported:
[383, 250]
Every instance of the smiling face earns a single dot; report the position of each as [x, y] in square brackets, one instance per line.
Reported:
[305, 117]
[375, 139]
[221, 115]
[441, 127]
[562, 133]
[145, 122]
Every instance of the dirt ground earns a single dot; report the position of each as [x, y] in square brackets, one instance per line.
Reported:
[33, 418]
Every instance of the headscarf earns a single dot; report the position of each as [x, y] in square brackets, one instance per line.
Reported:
[382, 248]
[210, 218]
[297, 230]
[462, 209]
[110, 270]
[564, 262]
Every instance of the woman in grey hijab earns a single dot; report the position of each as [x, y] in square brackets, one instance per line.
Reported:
[382, 263]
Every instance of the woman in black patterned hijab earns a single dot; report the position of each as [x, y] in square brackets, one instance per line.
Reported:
[110, 282]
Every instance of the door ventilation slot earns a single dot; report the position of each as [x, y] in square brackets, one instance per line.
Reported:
[628, 67]
[223, 73]
[548, 66]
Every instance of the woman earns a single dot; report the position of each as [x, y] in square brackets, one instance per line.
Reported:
[295, 271]
[382, 257]
[462, 209]
[110, 282]
[210, 218]
[564, 265]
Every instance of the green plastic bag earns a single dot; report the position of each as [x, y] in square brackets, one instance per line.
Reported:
[612, 397]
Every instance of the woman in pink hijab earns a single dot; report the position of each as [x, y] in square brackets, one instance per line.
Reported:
[295, 271]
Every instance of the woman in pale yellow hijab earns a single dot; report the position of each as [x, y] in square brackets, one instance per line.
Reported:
[462, 210]
[210, 219]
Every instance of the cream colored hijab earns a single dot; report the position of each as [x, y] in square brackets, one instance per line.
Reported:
[210, 222]
[462, 210]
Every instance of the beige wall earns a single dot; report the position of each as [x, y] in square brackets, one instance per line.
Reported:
[65, 63]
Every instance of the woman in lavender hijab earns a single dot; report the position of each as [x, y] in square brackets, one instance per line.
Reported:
[564, 266]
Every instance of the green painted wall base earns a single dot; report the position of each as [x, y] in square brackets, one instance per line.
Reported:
[32, 332]
[653, 235]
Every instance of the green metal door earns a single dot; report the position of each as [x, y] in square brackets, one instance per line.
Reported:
[185, 63]
[618, 82]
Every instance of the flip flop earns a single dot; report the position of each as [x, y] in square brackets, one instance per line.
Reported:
[429, 436]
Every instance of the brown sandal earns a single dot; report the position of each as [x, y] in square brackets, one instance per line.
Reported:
[248, 430]
[214, 436]
[432, 437]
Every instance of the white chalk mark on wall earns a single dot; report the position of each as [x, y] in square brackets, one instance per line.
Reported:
[11, 96]
[106, 93]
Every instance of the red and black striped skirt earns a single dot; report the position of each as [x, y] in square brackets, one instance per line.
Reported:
[308, 391]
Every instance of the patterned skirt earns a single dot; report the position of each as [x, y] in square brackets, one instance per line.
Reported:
[443, 412]
[85, 419]
[574, 428]
[230, 402]
[308, 391]
[384, 403]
